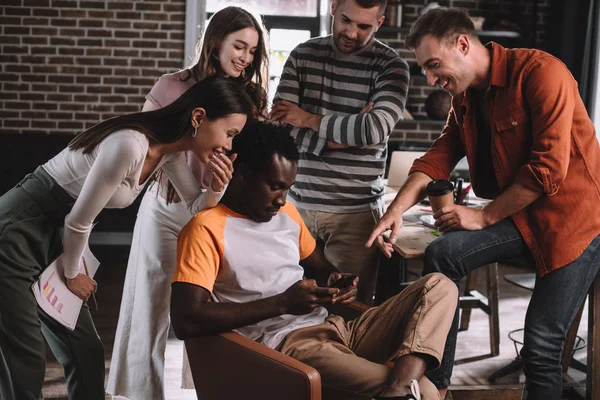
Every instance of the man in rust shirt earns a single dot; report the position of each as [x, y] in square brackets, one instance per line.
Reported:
[518, 118]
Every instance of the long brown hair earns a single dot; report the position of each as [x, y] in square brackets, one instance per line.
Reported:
[218, 96]
[255, 77]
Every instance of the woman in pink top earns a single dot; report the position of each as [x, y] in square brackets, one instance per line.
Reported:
[233, 45]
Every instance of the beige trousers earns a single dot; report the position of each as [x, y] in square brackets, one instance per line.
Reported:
[353, 355]
[345, 236]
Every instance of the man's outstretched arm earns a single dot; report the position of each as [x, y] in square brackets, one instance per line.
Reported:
[193, 315]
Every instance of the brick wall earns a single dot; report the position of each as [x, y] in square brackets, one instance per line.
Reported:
[67, 64]
[420, 133]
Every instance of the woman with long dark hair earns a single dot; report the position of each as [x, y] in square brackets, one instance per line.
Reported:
[234, 45]
[106, 166]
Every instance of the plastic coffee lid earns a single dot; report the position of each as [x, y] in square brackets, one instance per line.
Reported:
[439, 188]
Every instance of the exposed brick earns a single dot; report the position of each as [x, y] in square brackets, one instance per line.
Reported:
[45, 12]
[43, 31]
[60, 60]
[85, 98]
[26, 96]
[18, 68]
[34, 40]
[10, 40]
[72, 107]
[177, 18]
[59, 97]
[106, 15]
[17, 11]
[127, 72]
[14, 50]
[145, 25]
[17, 105]
[128, 15]
[168, 64]
[61, 79]
[33, 78]
[174, 7]
[33, 60]
[144, 44]
[10, 96]
[70, 69]
[10, 21]
[99, 71]
[86, 116]
[71, 89]
[111, 61]
[16, 123]
[64, 4]
[98, 52]
[8, 114]
[143, 6]
[88, 79]
[36, 21]
[118, 24]
[16, 30]
[35, 3]
[99, 89]
[116, 81]
[75, 14]
[44, 88]
[174, 35]
[86, 42]
[4, 58]
[127, 34]
[171, 45]
[174, 27]
[126, 53]
[86, 61]
[43, 50]
[70, 125]
[72, 32]
[62, 41]
[117, 43]
[126, 90]
[156, 16]
[70, 51]
[44, 124]
[90, 23]
[101, 5]
[99, 33]
[120, 5]
[148, 82]
[44, 69]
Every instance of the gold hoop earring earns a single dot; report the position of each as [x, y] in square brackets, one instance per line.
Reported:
[195, 132]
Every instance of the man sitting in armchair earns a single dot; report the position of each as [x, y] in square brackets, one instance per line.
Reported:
[255, 259]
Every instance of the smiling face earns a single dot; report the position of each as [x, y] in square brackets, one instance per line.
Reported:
[445, 63]
[237, 51]
[215, 136]
[266, 190]
[353, 26]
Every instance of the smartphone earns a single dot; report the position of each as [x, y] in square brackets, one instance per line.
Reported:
[344, 282]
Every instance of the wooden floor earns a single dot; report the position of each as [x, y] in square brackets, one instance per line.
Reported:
[473, 366]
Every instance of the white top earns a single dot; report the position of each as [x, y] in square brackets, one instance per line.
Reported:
[109, 177]
[240, 260]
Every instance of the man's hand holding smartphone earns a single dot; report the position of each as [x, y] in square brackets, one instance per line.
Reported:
[347, 285]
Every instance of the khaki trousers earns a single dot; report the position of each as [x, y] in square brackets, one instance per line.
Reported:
[353, 355]
[345, 236]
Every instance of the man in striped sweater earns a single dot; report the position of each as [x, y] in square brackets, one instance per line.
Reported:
[341, 95]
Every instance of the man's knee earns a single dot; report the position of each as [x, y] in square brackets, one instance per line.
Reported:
[439, 257]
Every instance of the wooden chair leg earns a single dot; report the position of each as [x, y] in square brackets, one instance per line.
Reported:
[570, 341]
[465, 314]
[493, 299]
[593, 356]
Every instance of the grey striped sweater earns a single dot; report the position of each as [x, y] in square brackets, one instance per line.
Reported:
[324, 81]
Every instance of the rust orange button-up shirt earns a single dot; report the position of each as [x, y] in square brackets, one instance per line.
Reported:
[543, 139]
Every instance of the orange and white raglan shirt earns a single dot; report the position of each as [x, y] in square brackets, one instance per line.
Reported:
[240, 260]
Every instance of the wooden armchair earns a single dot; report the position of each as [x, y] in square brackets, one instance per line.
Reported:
[231, 366]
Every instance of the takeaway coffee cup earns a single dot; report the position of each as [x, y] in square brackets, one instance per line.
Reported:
[440, 193]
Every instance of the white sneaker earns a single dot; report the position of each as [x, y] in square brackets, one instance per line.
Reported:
[414, 389]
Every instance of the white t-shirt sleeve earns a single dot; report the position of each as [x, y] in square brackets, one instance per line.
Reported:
[187, 186]
[117, 157]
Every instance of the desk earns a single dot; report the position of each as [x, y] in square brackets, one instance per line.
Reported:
[412, 240]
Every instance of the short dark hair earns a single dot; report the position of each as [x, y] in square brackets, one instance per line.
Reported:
[445, 23]
[256, 144]
[370, 3]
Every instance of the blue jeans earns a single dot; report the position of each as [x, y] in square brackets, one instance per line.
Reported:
[554, 303]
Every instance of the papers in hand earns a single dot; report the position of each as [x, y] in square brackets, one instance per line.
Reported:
[54, 297]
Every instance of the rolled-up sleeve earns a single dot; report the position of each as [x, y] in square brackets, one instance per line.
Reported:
[551, 93]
